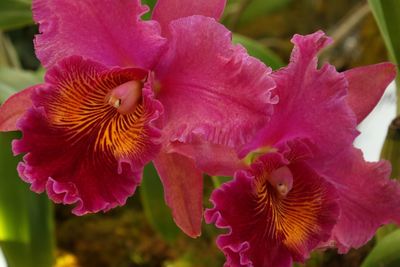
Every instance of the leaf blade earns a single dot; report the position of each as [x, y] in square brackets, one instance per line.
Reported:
[155, 209]
[26, 219]
[385, 253]
[255, 49]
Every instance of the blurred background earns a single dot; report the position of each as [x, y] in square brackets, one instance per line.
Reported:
[33, 232]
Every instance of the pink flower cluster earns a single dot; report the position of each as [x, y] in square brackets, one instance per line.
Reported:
[120, 92]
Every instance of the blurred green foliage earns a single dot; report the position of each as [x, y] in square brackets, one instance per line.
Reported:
[385, 253]
[157, 213]
[391, 147]
[13, 80]
[15, 14]
[259, 51]
[219, 180]
[387, 15]
[8, 54]
[259, 8]
[26, 219]
[12, 207]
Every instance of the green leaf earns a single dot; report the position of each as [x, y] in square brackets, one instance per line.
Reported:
[391, 147]
[14, 80]
[219, 180]
[5, 91]
[255, 49]
[15, 14]
[384, 231]
[150, 4]
[386, 253]
[8, 204]
[8, 53]
[19, 79]
[387, 15]
[26, 218]
[157, 213]
[391, 152]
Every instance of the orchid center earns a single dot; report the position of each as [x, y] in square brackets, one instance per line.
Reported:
[294, 205]
[282, 180]
[125, 97]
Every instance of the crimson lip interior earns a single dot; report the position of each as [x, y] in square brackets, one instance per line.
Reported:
[79, 147]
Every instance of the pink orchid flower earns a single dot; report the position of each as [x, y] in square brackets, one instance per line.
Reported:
[307, 187]
[120, 92]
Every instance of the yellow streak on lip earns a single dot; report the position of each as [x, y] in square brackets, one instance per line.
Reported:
[293, 214]
[86, 116]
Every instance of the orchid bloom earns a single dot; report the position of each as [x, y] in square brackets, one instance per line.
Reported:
[307, 187]
[120, 92]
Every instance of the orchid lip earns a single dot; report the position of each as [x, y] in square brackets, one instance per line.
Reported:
[125, 97]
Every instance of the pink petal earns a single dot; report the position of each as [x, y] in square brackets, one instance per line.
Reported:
[312, 103]
[14, 107]
[166, 11]
[106, 31]
[183, 187]
[367, 85]
[79, 148]
[368, 198]
[210, 158]
[211, 90]
[250, 207]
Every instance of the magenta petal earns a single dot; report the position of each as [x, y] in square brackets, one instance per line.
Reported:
[166, 11]
[14, 107]
[368, 198]
[266, 229]
[183, 187]
[312, 103]
[367, 85]
[79, 148]
[211, 90]
[106, 31]
[210, 158]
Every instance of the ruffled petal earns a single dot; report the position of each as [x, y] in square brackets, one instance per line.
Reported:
[367, 85]
[106, 31]
[166, 11]
[368, 198]
[265, 227]
[14, 107]
[183, 188]
[211, 90]
[312, 103]
[78, 147]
